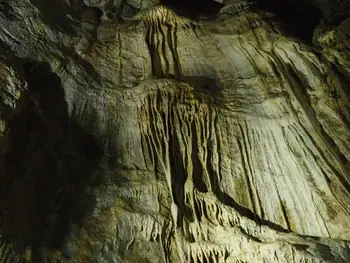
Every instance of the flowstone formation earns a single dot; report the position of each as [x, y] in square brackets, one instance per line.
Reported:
[137, 131]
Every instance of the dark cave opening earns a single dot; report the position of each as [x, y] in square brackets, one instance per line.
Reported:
[298, 18]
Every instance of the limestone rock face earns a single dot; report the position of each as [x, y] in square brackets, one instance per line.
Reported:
[132, 132]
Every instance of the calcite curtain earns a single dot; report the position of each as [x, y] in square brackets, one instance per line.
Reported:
[131, 131]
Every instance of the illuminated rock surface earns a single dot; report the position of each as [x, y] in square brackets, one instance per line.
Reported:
[132, 131]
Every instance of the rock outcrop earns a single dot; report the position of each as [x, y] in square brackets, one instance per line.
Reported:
[138, 131]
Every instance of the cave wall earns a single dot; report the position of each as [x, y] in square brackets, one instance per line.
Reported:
[156, 131]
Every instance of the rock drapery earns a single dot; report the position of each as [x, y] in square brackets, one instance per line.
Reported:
[136, 131]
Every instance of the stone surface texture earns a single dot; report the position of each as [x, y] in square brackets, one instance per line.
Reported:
[130, 132]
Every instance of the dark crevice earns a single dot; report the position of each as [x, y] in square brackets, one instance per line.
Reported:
[285, 215]
[198, 171]
[197, 210]
[178, 178]
[249, 236]
[301, 247]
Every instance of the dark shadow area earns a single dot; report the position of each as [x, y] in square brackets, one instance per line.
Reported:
[204, 84]
[59, 15]
[193, 9]
[178, 179]
[48, 167]
[7, 10]
[198, 171]
[298, 18]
